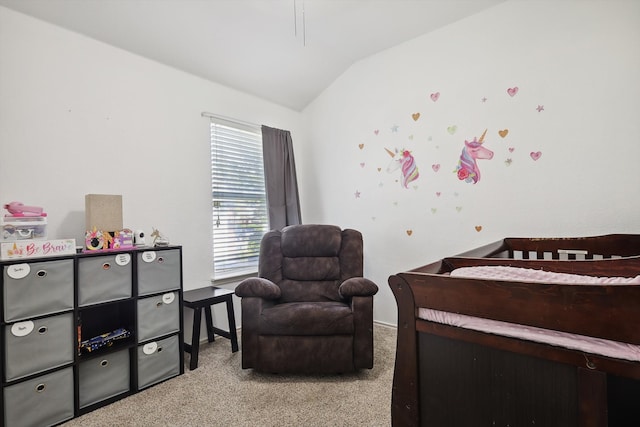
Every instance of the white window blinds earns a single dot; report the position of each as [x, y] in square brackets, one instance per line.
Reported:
[238, 197]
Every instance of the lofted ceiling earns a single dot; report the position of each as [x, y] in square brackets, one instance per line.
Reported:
[284, 51]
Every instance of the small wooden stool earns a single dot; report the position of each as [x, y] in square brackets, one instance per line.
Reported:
[197, 299]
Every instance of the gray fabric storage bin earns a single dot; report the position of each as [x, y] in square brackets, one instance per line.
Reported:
[158, 271]
[157, 361]
[41, 401]
[158, 315]
[33, 346]
[46, 288]
[104, 278]
[104, 377]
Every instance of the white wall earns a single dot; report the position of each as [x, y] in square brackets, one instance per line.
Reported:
[78, 116]
[580, 60]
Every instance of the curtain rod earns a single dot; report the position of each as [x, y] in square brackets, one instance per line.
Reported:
[228, 119]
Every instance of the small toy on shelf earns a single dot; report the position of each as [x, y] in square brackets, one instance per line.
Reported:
[19, 209]
[159, 239]
[104, 340]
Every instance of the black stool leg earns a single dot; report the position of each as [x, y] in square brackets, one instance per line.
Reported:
[195, 338]
[209, 319]
[232, 325]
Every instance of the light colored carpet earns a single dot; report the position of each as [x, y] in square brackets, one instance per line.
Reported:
[220, 393]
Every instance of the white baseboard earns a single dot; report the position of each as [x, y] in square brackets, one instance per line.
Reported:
[388, 325]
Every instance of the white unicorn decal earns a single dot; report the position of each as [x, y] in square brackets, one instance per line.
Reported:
[404, 159]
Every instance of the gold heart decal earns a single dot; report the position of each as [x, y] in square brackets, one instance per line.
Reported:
[503, 133]
[409, 232]
[379, 169]
[361, 146]
[478, 228]
[415, 116]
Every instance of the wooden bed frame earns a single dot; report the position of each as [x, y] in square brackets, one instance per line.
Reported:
[451, 376]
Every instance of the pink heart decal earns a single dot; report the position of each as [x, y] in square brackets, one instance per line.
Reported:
[535, 155]
[435, 167]
[511, 149]
[438, 193]
[435, 96]
[362, 165]
[512, 91]
[376, 131]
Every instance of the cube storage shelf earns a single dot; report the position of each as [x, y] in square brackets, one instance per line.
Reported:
[51, 305]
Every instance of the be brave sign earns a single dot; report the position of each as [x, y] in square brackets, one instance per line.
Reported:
[37, 248]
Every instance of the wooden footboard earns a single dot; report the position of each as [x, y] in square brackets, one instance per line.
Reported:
[466, 384]
[405, 409]
[472, 378]
[609, 312]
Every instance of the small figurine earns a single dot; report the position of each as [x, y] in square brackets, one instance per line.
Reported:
[159, 239]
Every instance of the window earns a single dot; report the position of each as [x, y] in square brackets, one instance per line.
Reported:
[238, 198]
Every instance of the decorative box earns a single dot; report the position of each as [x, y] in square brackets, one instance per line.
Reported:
[37, 248]
[97, 240]
[16, 228]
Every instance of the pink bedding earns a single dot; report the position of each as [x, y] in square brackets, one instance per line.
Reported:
[498, 272]
[583, 343]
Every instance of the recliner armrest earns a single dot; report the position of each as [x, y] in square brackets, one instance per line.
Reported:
[258, 287]
[357, 286]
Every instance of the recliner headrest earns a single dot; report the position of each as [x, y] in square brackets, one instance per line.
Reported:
[311, 240]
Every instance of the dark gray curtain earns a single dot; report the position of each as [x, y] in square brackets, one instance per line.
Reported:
[280, 178]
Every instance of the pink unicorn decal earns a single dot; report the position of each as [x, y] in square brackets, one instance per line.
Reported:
[467, 169]
[404, 159]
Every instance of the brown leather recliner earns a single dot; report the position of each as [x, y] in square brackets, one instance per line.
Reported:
[310, 311]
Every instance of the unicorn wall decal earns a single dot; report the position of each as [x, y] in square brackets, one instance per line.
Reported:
[467, 169]
[404, 159]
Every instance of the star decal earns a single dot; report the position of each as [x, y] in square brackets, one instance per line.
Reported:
[540, 108]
